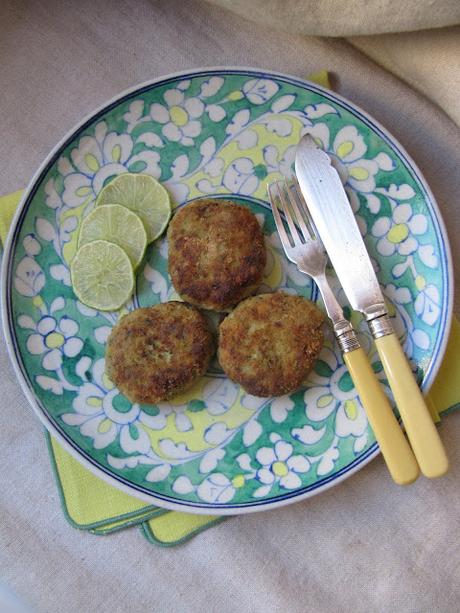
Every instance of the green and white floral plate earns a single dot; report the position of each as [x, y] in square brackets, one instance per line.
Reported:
[222, 132]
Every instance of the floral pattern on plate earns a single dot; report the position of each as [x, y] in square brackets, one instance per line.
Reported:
[218, 134]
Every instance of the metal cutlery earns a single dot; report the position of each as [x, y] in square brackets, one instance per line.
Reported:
[303, 247]
[331, 212]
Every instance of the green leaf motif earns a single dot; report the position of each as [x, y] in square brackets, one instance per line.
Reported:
[323, 369]
[196, 405]
[345, 382]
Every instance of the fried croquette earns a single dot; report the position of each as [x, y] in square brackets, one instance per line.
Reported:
[156, 353]
[217, 253]
[270, 342]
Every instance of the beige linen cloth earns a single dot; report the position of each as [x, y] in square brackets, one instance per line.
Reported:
[364, 545]
[409, 40]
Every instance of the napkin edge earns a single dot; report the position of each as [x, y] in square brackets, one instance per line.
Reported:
[133, 517]
[150, 536]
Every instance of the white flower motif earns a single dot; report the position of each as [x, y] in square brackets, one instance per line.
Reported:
[397, 299]
[319, 399]
[219, 395]
[183, 485]
[328, 460]
[280, 407]
[259, 91]
[31, 245]
[278, 464]
[331, 389]
[308, 435]
[285, 165]
[334, 392]
[95, 160]
[239, 177]
[159, 473]
[179, 116]
[214, 168]
[398, 232]
[97, 416]
[29, 278]
[52, 197]
[427, 303]
[181, 419]
[216, 488]
[351, 420]
[211, 86]
[54, 339]
[403, 323]
[348, 156]
[355, 205]
[210, 459]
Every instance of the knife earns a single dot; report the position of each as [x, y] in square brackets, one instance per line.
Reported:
[336, 224]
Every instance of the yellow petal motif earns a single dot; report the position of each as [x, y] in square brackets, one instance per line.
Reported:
[94, 401]
[420, 282]
[238, 481]
[345, 148]
[116, 153]
[107, 382]
[351, 410]
[104, 426]
[358, 173]
[280, 469]
[398, 233]
[54, 340]
[37, 301]
[81, 192]
[324, 401]
[178, 115]
[91, 162]
[235, 95]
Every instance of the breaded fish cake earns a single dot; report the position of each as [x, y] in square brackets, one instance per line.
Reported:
[216, 253]
[270, 342]
[157, 352]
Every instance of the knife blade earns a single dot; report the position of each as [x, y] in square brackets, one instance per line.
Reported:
[328, 203]
[336, 224]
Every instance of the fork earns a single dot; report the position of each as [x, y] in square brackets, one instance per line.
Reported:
[303, 247]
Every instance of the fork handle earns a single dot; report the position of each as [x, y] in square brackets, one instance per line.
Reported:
[420, 429]
[393, 444]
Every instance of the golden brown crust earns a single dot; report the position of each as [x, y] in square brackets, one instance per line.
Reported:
[157, 352]
[217, 253]
[270, 342]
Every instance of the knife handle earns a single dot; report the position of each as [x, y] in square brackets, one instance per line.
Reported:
[393, 444]
[420, 429]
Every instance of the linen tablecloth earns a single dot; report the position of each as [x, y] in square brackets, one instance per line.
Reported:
[365, 545]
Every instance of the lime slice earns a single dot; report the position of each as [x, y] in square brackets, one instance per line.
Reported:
[143, 195]
[116, 224]
[102, 275]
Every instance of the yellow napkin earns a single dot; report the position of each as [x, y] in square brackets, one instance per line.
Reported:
[89, 503]
[8, 205]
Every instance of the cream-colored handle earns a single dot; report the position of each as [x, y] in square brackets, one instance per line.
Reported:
[420, 429]
[395, 449]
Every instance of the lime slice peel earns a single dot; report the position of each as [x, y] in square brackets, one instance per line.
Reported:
[143, 195]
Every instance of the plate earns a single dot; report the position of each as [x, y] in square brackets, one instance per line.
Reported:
[225, 132]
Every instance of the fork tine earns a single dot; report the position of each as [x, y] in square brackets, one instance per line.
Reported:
[297, 212]
[278, 221]
[304, 207]
[287, 213]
